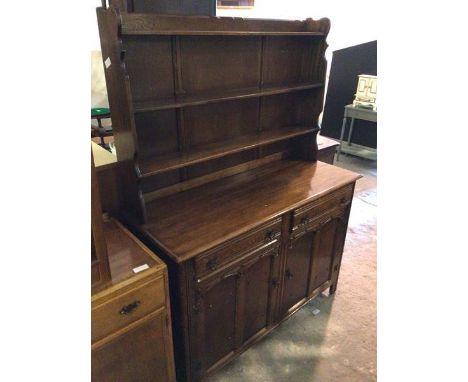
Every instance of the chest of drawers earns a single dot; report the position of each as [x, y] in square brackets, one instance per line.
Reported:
[131, 336]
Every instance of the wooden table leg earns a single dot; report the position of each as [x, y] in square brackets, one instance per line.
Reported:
[350, 131]
[343, 127]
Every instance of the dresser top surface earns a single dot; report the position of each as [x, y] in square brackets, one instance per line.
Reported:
[191, 222]
[126, 254]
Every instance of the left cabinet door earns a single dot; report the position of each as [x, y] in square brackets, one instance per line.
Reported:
[233, 306]
[141, 354]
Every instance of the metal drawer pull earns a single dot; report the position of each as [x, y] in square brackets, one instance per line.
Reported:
[272, 235]
[305, 221]
[127, 309]
[212, 264]
[345, 202]
[233, 274]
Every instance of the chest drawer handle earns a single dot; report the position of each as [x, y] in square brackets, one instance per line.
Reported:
[344, 202]
[127, 309]
[272, 235]
[212, 264]
[305, 220]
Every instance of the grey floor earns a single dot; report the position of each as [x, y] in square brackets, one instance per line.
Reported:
[339, 343]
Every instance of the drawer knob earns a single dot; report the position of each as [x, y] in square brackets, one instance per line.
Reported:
[305, 220]
[272, 235]
[212, 264]
[127, 309]
[345, 202]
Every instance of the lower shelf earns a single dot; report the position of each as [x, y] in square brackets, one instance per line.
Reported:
[158, 164]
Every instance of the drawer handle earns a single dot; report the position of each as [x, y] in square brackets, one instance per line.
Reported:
[127, 309]
[344, 202]
[288, 274]
[212, 264]
[305, 221]
[272, 235]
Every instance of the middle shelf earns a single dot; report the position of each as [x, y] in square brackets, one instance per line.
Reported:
[218, 96]
[151, 166]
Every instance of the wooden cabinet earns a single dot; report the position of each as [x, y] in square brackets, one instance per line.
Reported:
[215, 123]
[131, 336]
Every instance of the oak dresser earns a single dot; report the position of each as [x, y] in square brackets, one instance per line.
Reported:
[215, 123]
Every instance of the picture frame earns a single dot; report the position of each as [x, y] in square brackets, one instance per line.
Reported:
[235, 4]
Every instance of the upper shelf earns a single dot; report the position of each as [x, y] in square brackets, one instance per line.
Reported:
[150, 24]
[217, 33]
[155, 165]
[202, 99]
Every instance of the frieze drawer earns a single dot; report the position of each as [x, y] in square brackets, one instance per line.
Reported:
[269, 233]
[317, 210]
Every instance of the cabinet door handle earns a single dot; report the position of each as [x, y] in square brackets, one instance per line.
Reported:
[127, 309]
[288, 274]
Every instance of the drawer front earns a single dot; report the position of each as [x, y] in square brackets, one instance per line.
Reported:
[269, 233]
[127, 308]
[318, 210]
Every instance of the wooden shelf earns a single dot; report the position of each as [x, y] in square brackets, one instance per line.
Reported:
[150, 24]
[128, 31]
[220, 96]
[159, 164]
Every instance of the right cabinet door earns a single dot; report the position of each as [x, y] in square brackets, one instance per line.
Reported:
[313, 258]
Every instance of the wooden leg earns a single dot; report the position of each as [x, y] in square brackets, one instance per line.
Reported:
[332, 289]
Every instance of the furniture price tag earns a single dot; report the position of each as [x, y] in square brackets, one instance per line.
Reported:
[140, 268]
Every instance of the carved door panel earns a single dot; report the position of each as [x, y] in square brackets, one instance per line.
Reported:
[313, 257]
[216, 309]
[233, 305]
[260, 286]
[323, 253]
[297, 270]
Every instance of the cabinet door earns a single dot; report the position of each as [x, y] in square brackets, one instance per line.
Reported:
[232, 306]
[215, 316]
[297, 271]
[141, 354]
[313, 258]
[323, 252]
[259, 281]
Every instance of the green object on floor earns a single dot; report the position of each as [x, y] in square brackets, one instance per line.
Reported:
[97, 111]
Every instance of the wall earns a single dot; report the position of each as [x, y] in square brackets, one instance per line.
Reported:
[352, 23]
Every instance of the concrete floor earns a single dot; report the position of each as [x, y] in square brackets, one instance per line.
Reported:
[338, 344]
